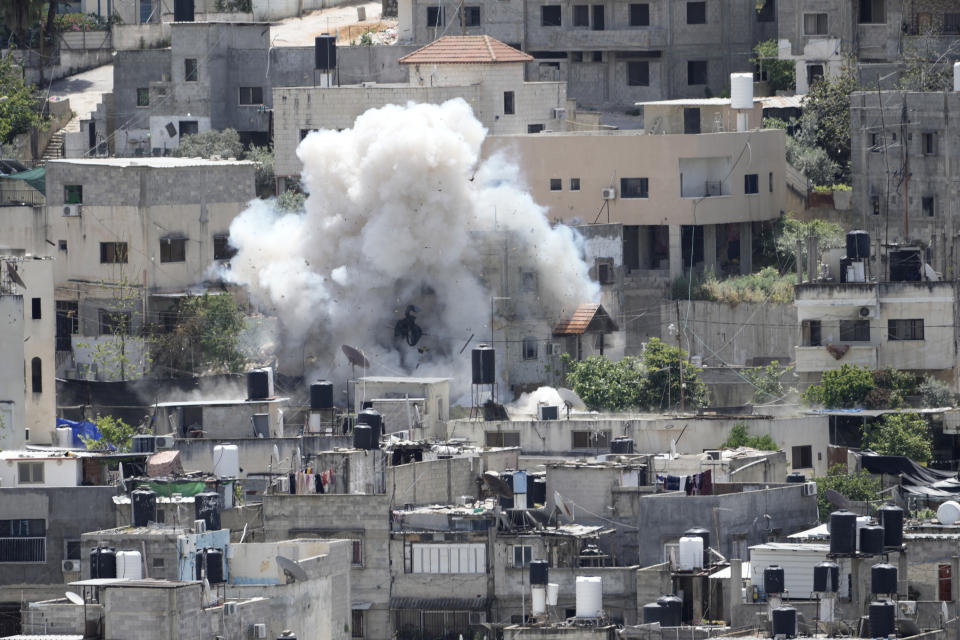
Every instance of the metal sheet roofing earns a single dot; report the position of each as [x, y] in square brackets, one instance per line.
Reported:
[440, 604]
[465, 50]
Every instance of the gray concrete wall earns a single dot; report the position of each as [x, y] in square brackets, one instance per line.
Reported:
[443, 481]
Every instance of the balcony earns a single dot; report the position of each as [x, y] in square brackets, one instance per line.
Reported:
[574, 39]
[822, 358]
[29, 197]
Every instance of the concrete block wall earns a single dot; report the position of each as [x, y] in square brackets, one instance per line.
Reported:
[158, 550]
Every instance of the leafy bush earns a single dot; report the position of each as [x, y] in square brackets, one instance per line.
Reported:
[790, 229]
[66, 22]
[225, 144]
[899, 434]
[855, 486]
[740, 437]
[845, 387]
[935, 393]
[292, 201]
[265, 180]
[781, 74]
[113, 431]
[18, 112]
[766, 285]
[767, 381]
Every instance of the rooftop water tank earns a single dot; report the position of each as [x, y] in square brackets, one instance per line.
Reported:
[538, 599]
[363, 438]
[143, 444]
[206, 507]
[843, 532]
[129, 565]
[785, 622]
[883, 578]
[483, 365]
[321, 395]
[882, 619]
[949, 512]
[652, 612]
[226, 460]
[260, 384]
[871, 539]
[589, 591]
[826, 577]
[143, 502]
[672, 614]
[621, 445]
[553, 593]
[539, 570]
[858, 245]
[891, 517]
[741, 91]
[64, 437]
[691, 553]
[103, 563]
[214, 565]
[774, 580]
[373, 419]
[703, 534]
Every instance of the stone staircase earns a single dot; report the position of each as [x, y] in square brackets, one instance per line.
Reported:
[54, 148]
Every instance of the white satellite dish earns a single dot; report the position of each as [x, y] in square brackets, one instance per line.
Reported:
[293, 570]
[74, 597]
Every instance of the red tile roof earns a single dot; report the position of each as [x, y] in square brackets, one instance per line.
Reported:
[583, 319]
[465, 50]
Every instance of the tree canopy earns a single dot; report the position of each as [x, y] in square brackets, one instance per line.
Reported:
[855, 486]
[204, 337]
[841, 388]
[899, 434]
[781, 74]
[826, 110]
[740, 437]
[18, 112]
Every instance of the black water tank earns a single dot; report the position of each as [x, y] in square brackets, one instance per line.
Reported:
[539, 570]
[363, 437]
[871, 539]
[882, 619]
[483, 361]
[891, 517]
[621, 445]
[826, 577]
[214, 566]
[321, 395]
[373, 419]
[785, 622]
[883, 578]
[796, 477]
[652, 612]
[144, 503]
[200, 564]
[703, 534]
[672, 614]
[858, 245]
[905, 266]
[103, 563]
[183, 11]
[537, 491]
[258, 384]
[843, 532]
[773, 579]
[206, 507]
[844, 263]
[143, 444]
[325, 52]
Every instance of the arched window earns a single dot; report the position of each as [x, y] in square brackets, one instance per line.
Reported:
[36, 375]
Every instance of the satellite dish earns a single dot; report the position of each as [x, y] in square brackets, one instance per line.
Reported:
[292, 570]
[355, 357]
[836, 499]
[74, 597]
[497, 485]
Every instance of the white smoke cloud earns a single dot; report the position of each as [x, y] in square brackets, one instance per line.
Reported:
[394, 211]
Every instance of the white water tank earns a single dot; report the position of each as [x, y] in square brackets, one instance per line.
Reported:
[64, 437]
[949, 512]
[589, 596]
[956, 76]
[129, 565]
[553, 593]
[691, 553]
[539, 600]
[226, 460]
[741, 90]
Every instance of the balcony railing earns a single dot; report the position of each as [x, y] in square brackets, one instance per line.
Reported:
[23, 549]
[21, 196]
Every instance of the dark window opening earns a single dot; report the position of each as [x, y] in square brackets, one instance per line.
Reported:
[73, 194]
[23, 540]
[574, 184]
[691, 120]
[905, 329]
[928, 209]
[929, 144]
[768, 12]
[143, 97]
[435, 17]
[221, 247]
[173, 249]
[556, 184]
[550, 16]
[875, 205]
[189, 128]
[534, 128]
[581, 15]
[696, 13]
[356, 623]
[872, 12]
[509, 108]
[251, 95]
[634, 188]
[802, 457]
[531, 349]
[598, 56]
[590, 439]
[605, 272]
[62, 245]
[36, 375]
[696, 72]
[854, 331]
[638, 73]
[751, 183]
[811, 333]
[640, 15]
[598, 18]
[68, 323]
[814, 24]
[113, 252]
[502, 438]
[190, 70]
[814, 74]
[471, 16]
[35, 308]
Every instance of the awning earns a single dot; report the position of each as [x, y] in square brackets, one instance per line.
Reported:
[441, 604]
[360, 606]
[588, 318]
[36, 178]
[915, 479]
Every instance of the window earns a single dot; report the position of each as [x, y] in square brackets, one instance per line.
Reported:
[751, 183]
[696, 72]
[251, 95]
[72, 549]
[190, 70]
[634, 188]
[556, 184]
[802, 457]
[62, 245]
[951, 23]
[435, 16]
[598, 18]
[928, 206]
[356, 623]
[814, 73]
[143, 97]
[854, 331]
[811, 333]
[509, 108]
[534, 128]
[530, 348]
[73, 194]
[502, 438]
[771, 182]
[929, 141]
[872, 12]
[605, 272]
[221, 247]
[640, 15]
[528, 281]
[814, 24]
[522, 555]
[875, 205]
[36, 375]
[576, 56]
[696, 13]
[356, 558]
[35, 308]
[189, 128]
[638, 73]
[581, 15]
[471, 16]
[30, 472]
[550, 16]
[114, 322]
[768, 12]
[23, 541]
[598, 56]
[113, 252]
[590, 439]
[449, 558]
[158, 562]
[905, 329]
[173, 249]
[304, 133]
[574, 184]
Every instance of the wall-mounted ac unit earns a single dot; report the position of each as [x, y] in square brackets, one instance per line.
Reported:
[163, 442]
[72, 210]
[867, 312]
[556, 349]
[260, 630]
[609, 194]
[70, 566]
[809, 489]
[230, 608]
[559, 113]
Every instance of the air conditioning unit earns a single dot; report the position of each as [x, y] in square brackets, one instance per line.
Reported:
[163, 442]
[559, 113]
[230, 608]
[199, 526]
[556, 349]
[72, 210]
[478, 617]
[609, 194]
[70, 566]
[867, 312]
[259, 630]
[809, 489]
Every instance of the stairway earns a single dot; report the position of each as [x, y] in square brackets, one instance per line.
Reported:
[643, 294]
[54, 148]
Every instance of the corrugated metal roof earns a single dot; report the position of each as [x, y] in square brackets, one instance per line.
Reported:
[587, 316]
[440, 604]
[465, 50]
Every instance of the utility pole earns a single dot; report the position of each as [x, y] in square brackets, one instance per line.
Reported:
[683, 395]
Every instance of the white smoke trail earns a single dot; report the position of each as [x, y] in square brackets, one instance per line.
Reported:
[396, 208]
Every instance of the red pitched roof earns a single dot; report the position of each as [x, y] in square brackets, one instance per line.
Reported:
[465, 50]
[592, 317]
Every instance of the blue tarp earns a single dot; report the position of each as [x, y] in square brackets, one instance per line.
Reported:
[86, 429]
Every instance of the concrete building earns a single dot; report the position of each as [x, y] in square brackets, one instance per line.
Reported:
[612, 54]
[481, 70]
[419, 406]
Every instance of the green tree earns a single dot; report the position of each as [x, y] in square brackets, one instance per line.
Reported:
[891, 389]
[899, 434]
[855, 486]
[781, 74]
[606, 385]
[265, 179]
[790, 229]
[204, 337]
[935, 393]
[661, 386]
[113, 431]
[112, 353]
[925, 65]
[18, 109]
[292, 201]
[224, 144]
[740, 437]
[826, 111]
[767, 381]
[845, 387]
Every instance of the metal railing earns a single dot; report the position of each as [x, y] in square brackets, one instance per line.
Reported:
[23, 549]
[21, 196]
